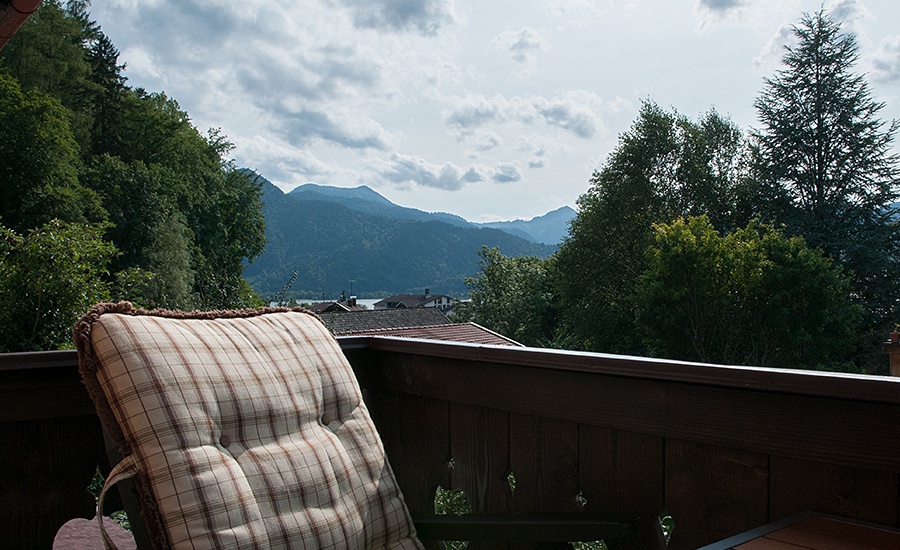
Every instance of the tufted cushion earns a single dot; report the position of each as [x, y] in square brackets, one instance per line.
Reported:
[247, 428]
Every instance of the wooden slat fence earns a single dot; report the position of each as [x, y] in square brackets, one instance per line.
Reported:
[721, 449]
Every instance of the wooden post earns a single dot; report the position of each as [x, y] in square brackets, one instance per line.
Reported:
[892, 348]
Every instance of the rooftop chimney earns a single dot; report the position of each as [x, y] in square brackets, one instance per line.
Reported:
[892, 348]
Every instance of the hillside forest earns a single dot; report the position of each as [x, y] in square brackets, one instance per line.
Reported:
[695, 240]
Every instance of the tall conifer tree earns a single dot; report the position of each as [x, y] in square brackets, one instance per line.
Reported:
[825, 166]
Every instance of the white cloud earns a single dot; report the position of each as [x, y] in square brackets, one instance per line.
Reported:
[851, 14]
[770, 56]
[575, 111]
[506, 172]
[538, 159]
[476, 110]
[404, 94]
[140, 63]
[283, 163]
[405, 169]
[486, 140]
[537, 162]
[522, 45]
[425, 16]
[886, 61]
[760, 15]
[721, 5]
[304, 126]
[569, 114]
[572, 8]
[710, 12]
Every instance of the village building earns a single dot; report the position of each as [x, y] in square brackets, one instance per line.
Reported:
[425, 323]
[414, 301]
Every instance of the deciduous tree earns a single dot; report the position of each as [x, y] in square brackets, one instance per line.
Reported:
[751, 297]
[49, 276]
[39, 162]
[512, 296]
[666, 166]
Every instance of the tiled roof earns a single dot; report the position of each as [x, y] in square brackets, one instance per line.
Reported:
[349, 322]
[454, 332]
[428, 323]
[325, 307]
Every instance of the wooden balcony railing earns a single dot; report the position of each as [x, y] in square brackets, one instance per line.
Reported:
[720, 449]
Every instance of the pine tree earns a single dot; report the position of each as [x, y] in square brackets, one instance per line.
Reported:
[824, 164]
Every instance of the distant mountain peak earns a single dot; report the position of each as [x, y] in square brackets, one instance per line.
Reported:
[327, 192]
[549, 229]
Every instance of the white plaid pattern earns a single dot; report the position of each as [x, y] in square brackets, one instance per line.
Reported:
[250, 430]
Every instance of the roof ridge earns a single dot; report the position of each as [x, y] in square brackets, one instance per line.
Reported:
[409, 327]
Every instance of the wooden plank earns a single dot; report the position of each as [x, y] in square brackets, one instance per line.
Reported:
[622, 474]
[875, 535]
[35, 393]
[544, 460]
[799, 382]
[800, 426]
[45, 469]
[420, 450]
[29, 360]
[866, 495]
[713, 492]
[810, 530]
[479, 445]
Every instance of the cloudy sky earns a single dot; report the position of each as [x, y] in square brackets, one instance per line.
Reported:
[492, 110]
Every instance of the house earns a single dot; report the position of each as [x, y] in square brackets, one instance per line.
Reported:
[415, 301]
[340, 306]
[425, 323]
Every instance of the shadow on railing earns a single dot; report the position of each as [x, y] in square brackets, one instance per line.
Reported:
[721, 449]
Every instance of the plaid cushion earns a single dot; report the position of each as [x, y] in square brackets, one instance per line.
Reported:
[248, 429]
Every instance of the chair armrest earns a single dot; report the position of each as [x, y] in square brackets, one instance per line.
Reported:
[551, 527]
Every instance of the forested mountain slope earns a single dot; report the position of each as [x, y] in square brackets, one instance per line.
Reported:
[329, 243]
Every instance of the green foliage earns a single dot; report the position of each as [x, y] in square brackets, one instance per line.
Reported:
[448, 501]
[48, 278]
[39, 162]
[77, 144]
[49, 54]
[824, 164]
[666, 166]
[752, 297]
[512, 296]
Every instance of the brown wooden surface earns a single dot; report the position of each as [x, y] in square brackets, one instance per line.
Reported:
[718, 457]
[51, 391]
[479, 444]
[45, 469]
[544, 461]
[729, 489]
[623, 473]
[824, 533]
[799, 485]
[798, 382]
[722, 449]
[799, 426]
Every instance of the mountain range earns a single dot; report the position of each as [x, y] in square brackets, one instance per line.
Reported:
[547, 229]
[355, 240]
